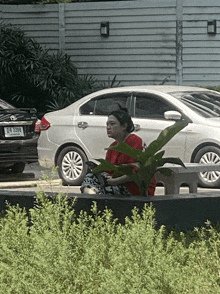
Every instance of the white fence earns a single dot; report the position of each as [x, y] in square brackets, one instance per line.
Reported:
[150, 41]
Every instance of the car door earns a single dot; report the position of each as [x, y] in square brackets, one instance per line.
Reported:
[90, 122]
[148, 117]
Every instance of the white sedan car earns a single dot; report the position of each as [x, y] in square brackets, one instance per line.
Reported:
[77, 133]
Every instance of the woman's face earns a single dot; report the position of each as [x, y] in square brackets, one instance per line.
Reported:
[114, 129]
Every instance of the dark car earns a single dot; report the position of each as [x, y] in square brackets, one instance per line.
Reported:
[18, 137]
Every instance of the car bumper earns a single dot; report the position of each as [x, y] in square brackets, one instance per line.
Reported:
[46, 151]
[46, 162]
[18, 151]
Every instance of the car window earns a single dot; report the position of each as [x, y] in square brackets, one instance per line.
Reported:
[88, 108]
[151, 106]
[204, 103]
[104, 105]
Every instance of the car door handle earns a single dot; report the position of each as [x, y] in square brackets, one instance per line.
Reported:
[82, 124]
[137, 127]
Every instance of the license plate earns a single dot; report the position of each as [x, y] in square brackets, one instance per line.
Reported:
[14, 132]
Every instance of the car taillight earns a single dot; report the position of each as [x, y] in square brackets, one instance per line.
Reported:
[44, 125]
[37, 127]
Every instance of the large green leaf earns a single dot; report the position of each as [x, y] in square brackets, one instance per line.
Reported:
[159, 155]
[127, 149]
[103, 166]
[164, 137]
[165, 171]
[124, 169]
[171, 160]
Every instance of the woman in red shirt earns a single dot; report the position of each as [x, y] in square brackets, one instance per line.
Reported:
[119, 127]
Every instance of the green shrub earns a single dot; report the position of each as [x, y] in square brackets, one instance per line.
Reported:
[31, 77]
[217, 88]
[52, 250]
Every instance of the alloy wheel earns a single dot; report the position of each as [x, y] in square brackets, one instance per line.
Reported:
[72, 165]
[210, 158]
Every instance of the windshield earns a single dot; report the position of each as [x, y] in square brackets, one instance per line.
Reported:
[204, 103]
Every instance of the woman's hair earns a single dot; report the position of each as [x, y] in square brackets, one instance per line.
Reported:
[123, 117]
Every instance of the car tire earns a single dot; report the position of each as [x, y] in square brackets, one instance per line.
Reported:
[72, 166]
[209, 155]
[16, 168]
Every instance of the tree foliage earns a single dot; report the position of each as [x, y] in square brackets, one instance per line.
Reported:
[32, 77]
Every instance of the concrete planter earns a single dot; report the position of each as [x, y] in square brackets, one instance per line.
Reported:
[182, 212]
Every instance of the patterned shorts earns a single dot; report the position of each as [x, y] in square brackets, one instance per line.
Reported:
[98, 184]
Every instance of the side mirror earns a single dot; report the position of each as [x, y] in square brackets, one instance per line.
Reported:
[172, 115]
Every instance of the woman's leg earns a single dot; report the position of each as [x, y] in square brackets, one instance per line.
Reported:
[92, 184]
[96, 184]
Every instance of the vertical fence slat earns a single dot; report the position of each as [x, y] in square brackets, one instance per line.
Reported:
[62, 27]
[179, 42]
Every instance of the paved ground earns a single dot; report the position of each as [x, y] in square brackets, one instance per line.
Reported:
[33, 179]
[38, 171]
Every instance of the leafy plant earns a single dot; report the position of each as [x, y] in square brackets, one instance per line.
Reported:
[148, 162]
[53, 249]
[217, 88]
[84, 85]
[30, 76]
[110, 83]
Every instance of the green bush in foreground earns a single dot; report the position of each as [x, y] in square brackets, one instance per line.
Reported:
[53, 251]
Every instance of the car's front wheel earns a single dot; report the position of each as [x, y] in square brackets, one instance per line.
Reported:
[72, 166]
[209, 155]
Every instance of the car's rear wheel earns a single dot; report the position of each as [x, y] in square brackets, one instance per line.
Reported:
[72, 166]
[16, 168]
[209, 155]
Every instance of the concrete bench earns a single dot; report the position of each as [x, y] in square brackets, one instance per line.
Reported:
[181, 176]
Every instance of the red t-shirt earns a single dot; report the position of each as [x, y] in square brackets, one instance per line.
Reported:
[119, 158]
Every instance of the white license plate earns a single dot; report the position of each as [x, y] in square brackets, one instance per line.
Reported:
[14, 132]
